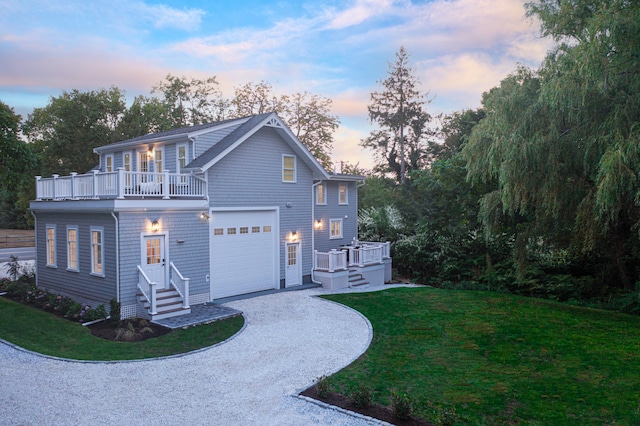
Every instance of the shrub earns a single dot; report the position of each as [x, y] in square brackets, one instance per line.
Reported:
[401, 404]
[114, 311]
[323, 386]
[362, 396]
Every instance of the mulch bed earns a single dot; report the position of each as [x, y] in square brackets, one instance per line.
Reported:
[377, 411]
[106, 330]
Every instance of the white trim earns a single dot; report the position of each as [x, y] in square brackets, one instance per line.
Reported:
[295, 168]
[165, 234]
[298, 262]
[186, 156]
[108, 168]
[163, 166]
[77, 249]
[99, 229]
[55, 251]
[335, 237]
[346, 194]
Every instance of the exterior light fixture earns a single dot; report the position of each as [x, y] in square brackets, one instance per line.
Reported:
[204, 216]
[318, 224]
[293, 236]
[150, 151]
[155, 226]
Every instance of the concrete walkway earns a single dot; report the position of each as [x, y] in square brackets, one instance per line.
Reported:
[289, 340]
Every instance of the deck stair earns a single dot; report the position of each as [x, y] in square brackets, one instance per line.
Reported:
[168, 304]
[356, 279]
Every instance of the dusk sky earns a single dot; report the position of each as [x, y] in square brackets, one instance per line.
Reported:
[336, 49]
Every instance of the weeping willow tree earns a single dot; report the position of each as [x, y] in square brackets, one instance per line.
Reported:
[563, 143]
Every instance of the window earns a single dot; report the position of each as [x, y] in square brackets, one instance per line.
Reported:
[51, 246]
[289, 168]
[181, 157]
[321, 197]
[143, 165]
[255, 229]
[158, 160]
[231, 231]
[97, 251]
[108, 163]
[343, 197]
[72, 248]
[218, 231]
[244, 229]
[335, 226]
[266, 228]
[126, 163]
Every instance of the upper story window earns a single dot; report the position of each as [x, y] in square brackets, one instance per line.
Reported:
[181, 161]
[343, 195]
[72, 248]
[126, 163]
[158, 160]
[321, 194]
[289, 168]
[97, 251]
[335, 227]
[108, 163]
[51, 246]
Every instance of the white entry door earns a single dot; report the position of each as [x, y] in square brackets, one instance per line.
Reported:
[293, 276]
[153, 259]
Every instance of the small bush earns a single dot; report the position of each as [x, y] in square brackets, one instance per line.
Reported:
[362, 396]
[114, 311]
[401, 404]
[323, 387]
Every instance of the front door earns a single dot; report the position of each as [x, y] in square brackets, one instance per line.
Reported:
[293, 274]
[153, 259]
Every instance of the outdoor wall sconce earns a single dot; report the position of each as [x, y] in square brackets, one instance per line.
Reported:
[318, 224]
[293, 236]
[150, 151]
[204, 216]
[155, 226]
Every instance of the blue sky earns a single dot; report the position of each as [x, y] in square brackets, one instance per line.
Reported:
[337, 49]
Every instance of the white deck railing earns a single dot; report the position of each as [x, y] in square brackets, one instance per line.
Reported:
[180, 283]
[335, 260]
[359, 254]
[148, 290]
[120, 184]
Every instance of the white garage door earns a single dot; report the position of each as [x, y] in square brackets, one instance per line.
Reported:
[243, 252]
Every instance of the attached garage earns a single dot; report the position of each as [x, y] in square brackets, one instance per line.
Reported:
[244, 252]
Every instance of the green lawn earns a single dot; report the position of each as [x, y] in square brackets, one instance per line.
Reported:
[45, 333]
[498, 359]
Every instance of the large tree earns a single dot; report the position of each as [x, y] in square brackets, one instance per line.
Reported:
[65, 132]
[307, 115]
[400, 143]
[563, 143]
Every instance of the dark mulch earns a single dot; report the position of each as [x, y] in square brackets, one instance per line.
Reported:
[140, 330]
[377, 411]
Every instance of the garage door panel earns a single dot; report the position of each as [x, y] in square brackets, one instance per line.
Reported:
[244, 256]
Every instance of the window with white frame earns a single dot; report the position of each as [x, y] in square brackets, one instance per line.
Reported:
[343, 196]
[108, 163]
[158, 160]
[72, 248]
[335, 226]
[288, 168]
[321, 195]
[97, 251]
[181, 161]
[126, 164]
[51, 246]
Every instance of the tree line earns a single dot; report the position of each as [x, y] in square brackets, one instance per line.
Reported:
[60, 137]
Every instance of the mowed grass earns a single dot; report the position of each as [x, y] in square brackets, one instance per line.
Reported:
[48, 334]
[498, 359]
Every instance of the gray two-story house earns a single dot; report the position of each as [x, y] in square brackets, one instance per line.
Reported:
[200, 214]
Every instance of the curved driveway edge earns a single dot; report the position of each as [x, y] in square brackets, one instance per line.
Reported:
[289, 340]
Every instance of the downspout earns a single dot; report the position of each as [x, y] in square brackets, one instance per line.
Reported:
[117, 257]
[313, 231]
[35, 242]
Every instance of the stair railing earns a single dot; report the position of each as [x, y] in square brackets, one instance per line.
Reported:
[181, 284]
[148, 290]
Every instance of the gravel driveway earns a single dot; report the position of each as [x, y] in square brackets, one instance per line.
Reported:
[289, 340]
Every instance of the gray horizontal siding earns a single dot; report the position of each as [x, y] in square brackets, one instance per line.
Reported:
[333, 210]
[251, 176]
[81, 285]
[207, 140]
[191, 257]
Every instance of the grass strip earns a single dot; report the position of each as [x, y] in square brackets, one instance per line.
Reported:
[48, 334]
[468, 357]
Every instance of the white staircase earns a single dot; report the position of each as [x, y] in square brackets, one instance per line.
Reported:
[169, 304]
[356, 279]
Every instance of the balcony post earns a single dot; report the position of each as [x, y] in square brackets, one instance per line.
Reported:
[94, 185]
[152, 295]
[185, 301]
[120, 183]
[38, 188]
[73, 185]
[55, 183]
[165, 185]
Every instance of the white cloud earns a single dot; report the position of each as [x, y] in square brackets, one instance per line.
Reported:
[164, 16]
[361, 11]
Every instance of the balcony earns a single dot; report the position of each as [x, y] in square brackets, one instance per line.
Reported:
[120, 185]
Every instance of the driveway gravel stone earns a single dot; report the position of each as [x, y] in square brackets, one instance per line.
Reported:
[288, 341]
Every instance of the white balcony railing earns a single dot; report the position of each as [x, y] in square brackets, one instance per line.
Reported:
[120, 184]
[180, 283]
[359, 254]
[335, 260]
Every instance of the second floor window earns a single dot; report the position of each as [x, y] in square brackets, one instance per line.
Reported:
[321, 196]
[288, 168]
[343, 196]
[72, 248]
